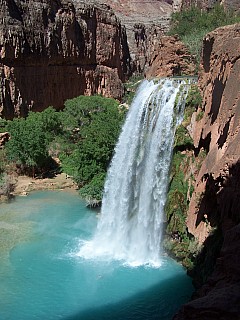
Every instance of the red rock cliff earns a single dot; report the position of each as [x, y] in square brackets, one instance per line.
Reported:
[54, 50]
[215, 204]
[145, 21]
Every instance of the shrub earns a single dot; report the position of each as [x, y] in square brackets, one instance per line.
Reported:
[93, 191]
[3, 125]
[194, 97]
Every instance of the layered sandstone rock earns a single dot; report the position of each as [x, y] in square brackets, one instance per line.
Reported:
[215, 205]
[54, 50]
[152, 52]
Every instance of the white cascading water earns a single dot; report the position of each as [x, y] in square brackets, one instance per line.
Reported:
[132, 214]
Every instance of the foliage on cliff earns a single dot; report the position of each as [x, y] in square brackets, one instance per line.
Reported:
[193, 24]
[178, 240]
[181, 244]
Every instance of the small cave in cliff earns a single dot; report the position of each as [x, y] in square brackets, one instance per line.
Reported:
[208, 203]
[220, 201]
[229, 197]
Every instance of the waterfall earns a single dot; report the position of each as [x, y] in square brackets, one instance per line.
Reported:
[132, 214]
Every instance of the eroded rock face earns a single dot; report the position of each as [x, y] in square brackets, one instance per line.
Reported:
[169, 58]
[215, 205]
[146, 21]
[218, 132]
[54, 50]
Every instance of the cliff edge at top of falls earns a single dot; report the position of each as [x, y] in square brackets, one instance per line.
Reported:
[43, 41]
[215, 203]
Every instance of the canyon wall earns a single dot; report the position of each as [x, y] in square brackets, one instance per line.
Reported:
[169, 57]
[54, 50]
[146, 21]
[214, 210]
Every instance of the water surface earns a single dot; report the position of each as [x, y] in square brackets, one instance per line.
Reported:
[41, 276]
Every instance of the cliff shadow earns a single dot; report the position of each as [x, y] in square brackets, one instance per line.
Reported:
[167, 296]
[220, 209]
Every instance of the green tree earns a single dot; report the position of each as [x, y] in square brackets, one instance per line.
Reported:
[27, 146]
[93, 125]
[30, 137]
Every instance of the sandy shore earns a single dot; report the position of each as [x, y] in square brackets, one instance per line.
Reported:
[26, 184]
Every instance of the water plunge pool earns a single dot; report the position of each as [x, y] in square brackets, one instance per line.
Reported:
[41, 276]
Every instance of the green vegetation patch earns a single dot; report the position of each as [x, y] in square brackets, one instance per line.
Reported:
[3, 125]
[30, 138]
[178, 241]
[193, 24]
[91, 126]
[82, 136]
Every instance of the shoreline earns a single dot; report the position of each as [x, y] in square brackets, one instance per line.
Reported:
[13, 232]
[25, 184]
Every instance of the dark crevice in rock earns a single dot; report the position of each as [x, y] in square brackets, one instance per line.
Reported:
[223, 137]
[14, 11]
[206, 259]
[217, 94]
[207, 49]
[208, 202]
[203, 143]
